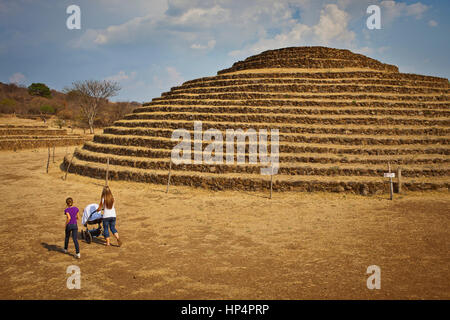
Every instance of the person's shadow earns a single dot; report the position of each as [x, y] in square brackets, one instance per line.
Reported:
[54, 247]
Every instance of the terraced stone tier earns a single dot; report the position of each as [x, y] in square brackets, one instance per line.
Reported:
[239, 181]
[304, 103]
[309, 57]
[16, 131]
[330, 75]
[11, 144]
[322, 88]
[341, 118]
[297, 79]
[14, 137]
[13, 126]
[410, 155]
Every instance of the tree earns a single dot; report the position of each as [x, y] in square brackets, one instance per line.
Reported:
[47, 109]
[7, 105]
[118, 110]
[39, 89]
[92, 95]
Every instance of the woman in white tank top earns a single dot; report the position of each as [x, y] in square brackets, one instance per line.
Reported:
[109, 215]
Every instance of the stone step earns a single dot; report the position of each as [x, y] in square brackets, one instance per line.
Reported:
[251, 119]
[321, 74]
[283, 81]
[293, 110]
[306, 96]
[318, 127]
[13, 126]
[367, 132]
[16, 144]
[299, 62]
[428, 170]
[289, 130]
[409, 156]
[288, 147]
[32, 131]
[276, 103]
[310, 88]
[239, 181]
[345, 153]
[355, 139]
[37, 137]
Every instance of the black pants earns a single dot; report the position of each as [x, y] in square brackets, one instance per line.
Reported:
[72, 228]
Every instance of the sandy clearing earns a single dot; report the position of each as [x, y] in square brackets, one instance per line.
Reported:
[198, 244]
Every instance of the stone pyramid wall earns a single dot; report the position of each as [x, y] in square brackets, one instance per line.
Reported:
[341, 118]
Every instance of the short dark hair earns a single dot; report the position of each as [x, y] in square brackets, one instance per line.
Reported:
[69, 201]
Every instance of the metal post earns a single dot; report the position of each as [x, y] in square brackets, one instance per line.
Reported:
[67, 170]
[168, 178]
[271, 181]
[391, 186]
[48, 159]
[107, 171]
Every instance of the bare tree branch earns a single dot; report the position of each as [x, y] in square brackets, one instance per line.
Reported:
[92, 95]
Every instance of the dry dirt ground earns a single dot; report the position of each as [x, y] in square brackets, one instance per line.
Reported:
[197, 244]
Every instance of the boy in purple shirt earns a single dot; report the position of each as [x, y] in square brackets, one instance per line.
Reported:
[71, 226]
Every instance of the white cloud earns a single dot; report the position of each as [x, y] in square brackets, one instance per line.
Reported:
[367, 51]
[247, 27]
[174, 76]
[332, 28]
[148, 26]
[432, 23]
[416, 9]
[155, 7]
[122, 76]
[392, 10]
[210, 45]
[383, 49]
[333, 25]
[17, 78]
[171, 77]
[201, 17]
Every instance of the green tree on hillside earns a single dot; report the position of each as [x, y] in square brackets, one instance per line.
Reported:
[7, 105]
[47, 109]
[39, 89]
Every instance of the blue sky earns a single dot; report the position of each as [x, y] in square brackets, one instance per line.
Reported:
[149, 46]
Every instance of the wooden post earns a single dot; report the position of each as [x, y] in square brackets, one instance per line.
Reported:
[168, 178]
[391, 186]
[67, 170]
[107, 171]
[271, 181]
[48, 159]
[399, 179]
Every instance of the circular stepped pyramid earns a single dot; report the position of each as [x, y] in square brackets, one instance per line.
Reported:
[341, 118]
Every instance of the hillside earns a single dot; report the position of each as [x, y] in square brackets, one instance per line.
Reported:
[16, 99]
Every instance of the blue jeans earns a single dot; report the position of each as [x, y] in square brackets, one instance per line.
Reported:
[109, 223]
[72, 228]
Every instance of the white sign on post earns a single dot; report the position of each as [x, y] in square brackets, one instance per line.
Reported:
[389, 175]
